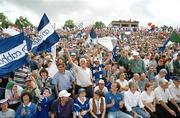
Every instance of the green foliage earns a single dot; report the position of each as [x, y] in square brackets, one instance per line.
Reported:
[23, 22]
[99, 25]
[69, 23]
[4, 22]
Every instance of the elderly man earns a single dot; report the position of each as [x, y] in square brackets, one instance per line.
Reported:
[63, 106]
[166, 105]
[6, 112]
[101, 87]
[174, 89]
[83, 75]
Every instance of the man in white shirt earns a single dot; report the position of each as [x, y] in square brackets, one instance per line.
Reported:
[82, 74]
[101, 87]
[133, 102]
[174, 89]
[166, 105]
[6, 112]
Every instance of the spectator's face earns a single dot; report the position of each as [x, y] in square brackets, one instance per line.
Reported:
[46, 93]
[114, 87]
[150, 88]
[4, 105]
[83, 63]
[64, 99]
[122, 76]
[176, 83]
[82, 94]
[26, 100]
[96, 96]
[43, 75]
[165, 85]
[101, 85]
[133, 88]
[136, 77]
[61, 68]
[14, 88]
[28, 84]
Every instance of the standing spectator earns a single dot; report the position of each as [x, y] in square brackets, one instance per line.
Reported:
[27, 109]
[6, 112]
[176, 65]
[101, 87]
[123, 60]
[63, 79]
[137, 64]
[43, 105]
[81, 105]
[44, 81]
[63, 106]
[97, 105]
[114, 102]
[83, 75]
[166, 106]
[174, 89]
[133, 102]
[148, 99]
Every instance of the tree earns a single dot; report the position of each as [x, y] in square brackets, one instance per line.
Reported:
[69, 24]
[4, 22]
[22, 22]
[99, 25]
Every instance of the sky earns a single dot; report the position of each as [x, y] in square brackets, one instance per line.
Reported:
[159, 12]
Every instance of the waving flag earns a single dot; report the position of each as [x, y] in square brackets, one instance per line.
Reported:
[174, 38]
[13, 53]
[47, 37]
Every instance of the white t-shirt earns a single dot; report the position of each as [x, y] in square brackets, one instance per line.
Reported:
[147, 98]
[9, 114]
[122, 83]
[105, 90]
[83, 76]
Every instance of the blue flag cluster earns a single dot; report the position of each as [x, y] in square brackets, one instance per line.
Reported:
[14, 50]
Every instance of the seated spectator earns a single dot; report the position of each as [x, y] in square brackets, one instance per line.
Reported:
[6, 112]
[63, 107]
[166, 105]
[174, 89]
[43, 105]
[101, 87]
[27, 109]
[148, 99]
[135, 79]
[114, 102]
[97, 105]
[133, 102]
[13, 93]
[81, 105]
[160, 76]
[123, 82]
[142, 81]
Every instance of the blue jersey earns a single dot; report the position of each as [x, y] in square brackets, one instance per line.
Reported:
[79, 106]
[43, 108]
[109, 97]
[97, 72]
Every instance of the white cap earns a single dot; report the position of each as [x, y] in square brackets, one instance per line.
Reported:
[64, 93]
[3, 101]
[135, 53]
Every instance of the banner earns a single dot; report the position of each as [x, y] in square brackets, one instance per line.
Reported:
[13, 53]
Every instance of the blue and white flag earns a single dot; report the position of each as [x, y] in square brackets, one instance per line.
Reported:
[46, 38]
[13, 53]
